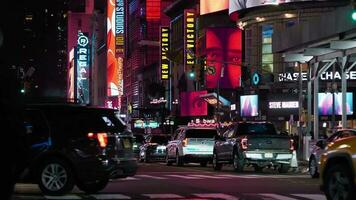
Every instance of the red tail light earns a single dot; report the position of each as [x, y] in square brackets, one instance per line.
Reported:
[291, 144]
[101, 137]
[244, 144]
[185, 142]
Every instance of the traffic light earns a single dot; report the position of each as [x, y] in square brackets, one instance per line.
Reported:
[191, 74]
[353, 13]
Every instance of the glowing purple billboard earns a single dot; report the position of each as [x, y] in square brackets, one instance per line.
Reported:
[249, 105]
[223, 52]
[325, 103]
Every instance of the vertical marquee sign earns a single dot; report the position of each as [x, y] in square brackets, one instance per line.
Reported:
[82, 68]
[165, 67]
[189, 38]
[119, 27]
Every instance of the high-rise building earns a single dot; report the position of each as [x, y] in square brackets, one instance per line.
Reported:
[44, 46]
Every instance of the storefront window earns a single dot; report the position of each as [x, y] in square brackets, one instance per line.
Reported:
[267, 56]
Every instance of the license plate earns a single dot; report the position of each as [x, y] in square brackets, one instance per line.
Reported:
[268, 155]
[127, 143]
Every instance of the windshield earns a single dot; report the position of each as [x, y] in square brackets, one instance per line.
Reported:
[201, 133]
[255, 128]
[159, 139]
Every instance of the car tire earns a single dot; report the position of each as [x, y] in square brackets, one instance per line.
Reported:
[179, 160]
[204, 163]
[313, 167]
[168, 162]
[237, 163]
[258, 168]
[92, 187]
[146, 159]
[339, 176]
[283, 168]
[60, 171]
[216, 165]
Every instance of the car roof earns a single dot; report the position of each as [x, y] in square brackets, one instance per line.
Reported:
[48, 106]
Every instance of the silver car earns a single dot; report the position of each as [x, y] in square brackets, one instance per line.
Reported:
[319, 149]
[191, 144]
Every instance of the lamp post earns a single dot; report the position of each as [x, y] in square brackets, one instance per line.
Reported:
[221, 75]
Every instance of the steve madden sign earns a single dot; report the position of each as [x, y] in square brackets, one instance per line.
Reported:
[287, 77]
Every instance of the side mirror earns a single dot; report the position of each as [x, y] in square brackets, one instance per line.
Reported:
[321, 144]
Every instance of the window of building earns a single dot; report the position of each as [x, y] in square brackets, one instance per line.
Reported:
[267, 55]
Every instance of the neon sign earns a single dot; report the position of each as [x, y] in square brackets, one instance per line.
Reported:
[283, 104]
[189, 37]
[164, 49]
[82, 66]
[119, 27]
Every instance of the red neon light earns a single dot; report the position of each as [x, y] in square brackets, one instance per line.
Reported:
[153, 10]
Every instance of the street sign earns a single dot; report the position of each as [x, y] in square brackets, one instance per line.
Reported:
[210, 70]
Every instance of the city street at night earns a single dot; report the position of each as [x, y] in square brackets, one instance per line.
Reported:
[158, 181]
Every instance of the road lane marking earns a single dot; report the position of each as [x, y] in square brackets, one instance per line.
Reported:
[184, 177]
[207, 176]
[70, 197]
[277, 196]
[217, 196]
[237, 176]
[311, 196]
[128, 179]
[110, 196]
[148, 176]
[163, 196]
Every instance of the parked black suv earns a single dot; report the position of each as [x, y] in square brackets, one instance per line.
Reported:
[72, 144]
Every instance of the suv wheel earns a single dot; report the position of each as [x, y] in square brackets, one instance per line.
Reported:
[92, 187]
[216, 165]
[204, 163]
[313, 167]
[338, 183]
[237, 163]
[283, 168]
[55, 177]
[258, 168]
[179, 160]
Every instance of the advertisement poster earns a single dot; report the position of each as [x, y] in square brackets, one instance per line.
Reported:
[223, 51]
[192, 104]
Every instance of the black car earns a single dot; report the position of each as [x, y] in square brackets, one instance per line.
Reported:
[254, 144]
[76, 145]
[154, 148]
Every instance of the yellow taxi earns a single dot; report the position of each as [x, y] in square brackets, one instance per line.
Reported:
[338, 170]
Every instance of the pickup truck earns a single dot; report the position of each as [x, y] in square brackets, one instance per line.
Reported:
[253, 143]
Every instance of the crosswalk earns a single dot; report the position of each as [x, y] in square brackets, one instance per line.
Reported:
[207, 176]
[195, 196]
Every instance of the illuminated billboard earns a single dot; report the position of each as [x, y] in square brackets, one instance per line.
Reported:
[189, 38]
[210, 6]
[223, 52]
[191, 104]
[119, 27]
[325, 103]
[153, 10]
[165, 67]
[71, 75]
[236, 5]
[249, 105]
[82, 68]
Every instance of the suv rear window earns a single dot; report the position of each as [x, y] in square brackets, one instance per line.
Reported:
[254, 128]
[159, 139]
[200, 133]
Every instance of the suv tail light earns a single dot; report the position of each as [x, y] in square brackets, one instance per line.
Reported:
[291, 144]
[244, 144]
[101, 137]
[185, 142]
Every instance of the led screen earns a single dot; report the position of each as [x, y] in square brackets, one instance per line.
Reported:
[249, 105]
[210, 6]
[223, 51]
[112, 64]
[236, 5]
[325, 103]
[192, 105]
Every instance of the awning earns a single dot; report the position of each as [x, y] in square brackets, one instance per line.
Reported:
[211, 98]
